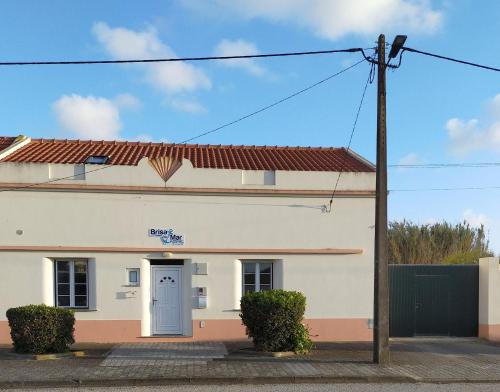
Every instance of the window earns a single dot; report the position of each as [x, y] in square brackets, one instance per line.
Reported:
[71, 281]
[257, 276]
[97, 159]
[133, 278]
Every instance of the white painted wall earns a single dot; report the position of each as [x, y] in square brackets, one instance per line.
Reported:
[99, 219]
[144, 175]
[489, 291]
[336, 286]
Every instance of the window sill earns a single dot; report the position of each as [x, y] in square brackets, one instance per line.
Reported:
[80, 310]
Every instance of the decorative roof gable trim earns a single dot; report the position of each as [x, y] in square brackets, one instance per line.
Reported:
[19, 142]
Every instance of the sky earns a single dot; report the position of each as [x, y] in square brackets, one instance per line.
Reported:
[437, 112]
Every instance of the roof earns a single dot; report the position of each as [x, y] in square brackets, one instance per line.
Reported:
[6, 141]
[201, 156]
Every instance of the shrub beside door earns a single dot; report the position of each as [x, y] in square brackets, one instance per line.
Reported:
[273, 319]
[40, 329]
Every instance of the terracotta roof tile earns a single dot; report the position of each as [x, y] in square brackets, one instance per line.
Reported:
[201, 156]
[6, 141]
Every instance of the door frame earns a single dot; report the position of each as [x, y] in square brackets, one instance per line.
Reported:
[181, 298]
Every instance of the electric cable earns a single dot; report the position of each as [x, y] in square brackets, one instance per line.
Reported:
[204, 133]
[369, 80]
[467, 188]
[451, 59]
[174, 59]
[445, 165]
[218, 128]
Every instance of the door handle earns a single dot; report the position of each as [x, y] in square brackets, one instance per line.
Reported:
[154, 300]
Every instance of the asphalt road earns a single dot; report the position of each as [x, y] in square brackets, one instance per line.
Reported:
[296, 388]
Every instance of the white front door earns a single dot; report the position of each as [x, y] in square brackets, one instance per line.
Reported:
[166, 300]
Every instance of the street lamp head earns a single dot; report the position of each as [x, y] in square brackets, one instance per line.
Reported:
[396, 46]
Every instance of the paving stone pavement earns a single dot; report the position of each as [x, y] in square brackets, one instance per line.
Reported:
[453, 361]
[160, 354]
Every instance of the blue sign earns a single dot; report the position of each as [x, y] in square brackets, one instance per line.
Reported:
[167, 236]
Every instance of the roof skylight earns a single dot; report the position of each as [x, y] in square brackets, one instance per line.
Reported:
[97, 159]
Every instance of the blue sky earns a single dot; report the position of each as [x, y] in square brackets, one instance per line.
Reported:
[437, 111]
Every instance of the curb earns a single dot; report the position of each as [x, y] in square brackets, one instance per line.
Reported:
[236, 380]
[204, 381]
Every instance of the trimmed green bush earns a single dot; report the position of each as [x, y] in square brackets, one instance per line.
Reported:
[40, 329]
[273, 319]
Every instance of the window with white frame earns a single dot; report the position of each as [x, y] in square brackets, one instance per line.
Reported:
[257, 276]
[133, 277]
[71, 283]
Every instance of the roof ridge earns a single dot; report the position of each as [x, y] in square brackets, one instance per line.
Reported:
[217, 146]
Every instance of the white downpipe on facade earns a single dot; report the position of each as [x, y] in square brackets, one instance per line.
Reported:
[237, 279]
[145, 277]
[47, 281]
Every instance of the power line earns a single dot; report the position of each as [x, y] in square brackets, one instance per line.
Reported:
[451, 59]
[218, 128]
[369, 80]
[446, 165]
[204, 133]
[469, 188]
[165, 60]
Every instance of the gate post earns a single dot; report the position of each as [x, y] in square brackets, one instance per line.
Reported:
[489, 298]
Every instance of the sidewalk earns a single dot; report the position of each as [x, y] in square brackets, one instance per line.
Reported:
[439, 361]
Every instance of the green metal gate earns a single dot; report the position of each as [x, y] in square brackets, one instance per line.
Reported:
[437, 300]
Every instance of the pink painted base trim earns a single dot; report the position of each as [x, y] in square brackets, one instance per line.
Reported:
[4, 332]
[339, 330]
[490, 332]
[114, 331]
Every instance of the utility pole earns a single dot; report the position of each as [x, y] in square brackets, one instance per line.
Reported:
[381, 354]
[381, 283]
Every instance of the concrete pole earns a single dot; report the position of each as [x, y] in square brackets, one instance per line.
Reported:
[381, 283]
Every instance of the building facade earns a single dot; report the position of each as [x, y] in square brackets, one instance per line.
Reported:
[152, 241]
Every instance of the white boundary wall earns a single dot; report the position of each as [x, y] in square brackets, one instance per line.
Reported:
[489, 298]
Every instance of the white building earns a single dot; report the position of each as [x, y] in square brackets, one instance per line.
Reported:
[159, 241]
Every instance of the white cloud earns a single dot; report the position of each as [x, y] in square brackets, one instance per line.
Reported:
[468, 136]
[333, 19]
[171, 78]
[494, 106]
[127, 101]
[88, 117]
[144, 137]
[188, 105]
[239, 47]
[92, 117]
[409, 159]
[431, 221]
[476, 219]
